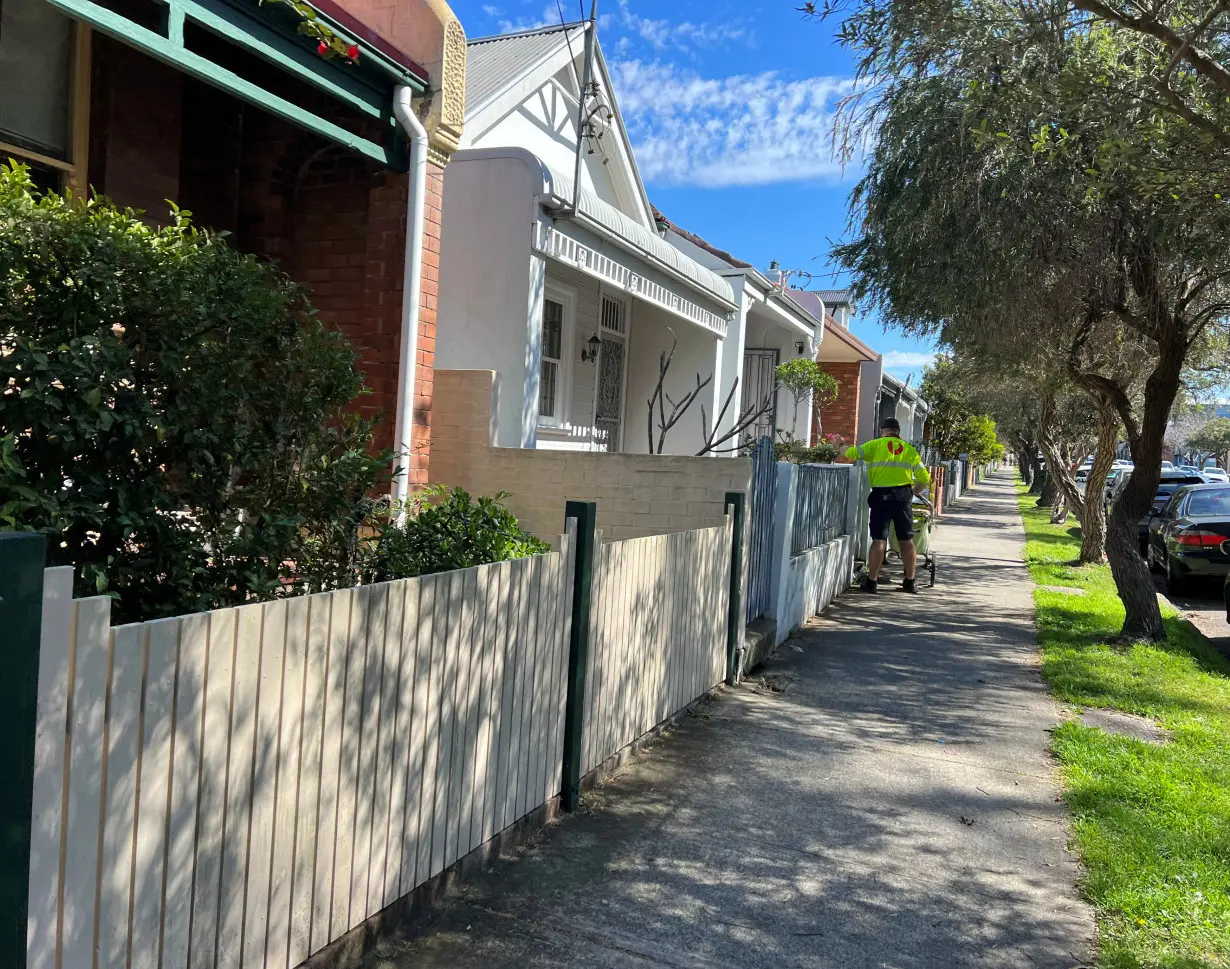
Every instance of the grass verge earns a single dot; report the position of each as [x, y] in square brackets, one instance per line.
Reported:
[1152, 823]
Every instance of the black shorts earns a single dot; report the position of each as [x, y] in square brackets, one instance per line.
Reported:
[893, 506]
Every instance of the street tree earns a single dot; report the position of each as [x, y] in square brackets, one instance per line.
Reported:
[1003, 200]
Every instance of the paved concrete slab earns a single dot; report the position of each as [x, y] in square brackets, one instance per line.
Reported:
[893, 808]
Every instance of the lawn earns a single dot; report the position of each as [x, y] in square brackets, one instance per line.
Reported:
[1151, 823]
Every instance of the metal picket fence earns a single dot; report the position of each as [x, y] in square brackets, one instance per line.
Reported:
[820, 506]
[760, 531]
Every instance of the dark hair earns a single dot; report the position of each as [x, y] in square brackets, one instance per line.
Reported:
[891, 423]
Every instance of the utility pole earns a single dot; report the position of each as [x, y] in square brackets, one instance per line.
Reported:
[591, 32]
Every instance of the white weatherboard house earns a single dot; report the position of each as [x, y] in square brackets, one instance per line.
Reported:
[770, 328]
[570, 306]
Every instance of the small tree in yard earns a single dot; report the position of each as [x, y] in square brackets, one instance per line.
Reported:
[1211, 440]
[173, 415]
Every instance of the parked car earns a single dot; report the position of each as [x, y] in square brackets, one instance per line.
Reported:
[1188, 469]
[1189, 536]
[1170, 483]
[1216, 475]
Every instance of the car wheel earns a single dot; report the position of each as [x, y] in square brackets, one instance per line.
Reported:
[1176, 583]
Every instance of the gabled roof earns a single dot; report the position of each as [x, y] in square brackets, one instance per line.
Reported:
[504, 68]
[491, 62]
[838, 332]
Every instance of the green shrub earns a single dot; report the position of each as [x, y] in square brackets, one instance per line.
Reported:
[172, 413]
[825, 451]
[450, 530]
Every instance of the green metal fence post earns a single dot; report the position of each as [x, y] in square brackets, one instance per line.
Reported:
[22, 557]
[586, 515]
[736, 505]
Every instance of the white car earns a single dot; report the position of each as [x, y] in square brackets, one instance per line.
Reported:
[1216, 475]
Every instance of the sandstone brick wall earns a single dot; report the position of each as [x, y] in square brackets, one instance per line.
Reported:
[841, 416]
[637, 494]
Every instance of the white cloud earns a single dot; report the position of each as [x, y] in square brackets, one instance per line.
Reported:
[549, 18]
[663, 35]
[491, 11]
[742, 130]
[906, 360]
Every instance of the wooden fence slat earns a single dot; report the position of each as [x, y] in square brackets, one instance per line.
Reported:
[509, 722]
[294, 851]
[497, 627]
[216, 733]
[267, 726]
[448, 777]
[339, 618]
[431, 672]
[554, 680]
[468, 666]
[240, 771]
[385, 860]
[365, 782]
[480, 693]
[403, 836]
[123, 744]
[50, 757]
[161, 662]
[93, 635]
[347, 786]
[187, 747]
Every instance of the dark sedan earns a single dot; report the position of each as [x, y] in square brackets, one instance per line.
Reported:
[1189, 536]
[1170, 482]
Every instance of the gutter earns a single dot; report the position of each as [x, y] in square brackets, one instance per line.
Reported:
[411, 290]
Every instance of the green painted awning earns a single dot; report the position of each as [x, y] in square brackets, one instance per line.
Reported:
[268, 32]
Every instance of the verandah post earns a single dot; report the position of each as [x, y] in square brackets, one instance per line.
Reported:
[22, 558]
[736, 506]
[586, 515]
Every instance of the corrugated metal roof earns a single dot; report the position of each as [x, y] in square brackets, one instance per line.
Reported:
[644, 239]
[491, 62]
[833, 297]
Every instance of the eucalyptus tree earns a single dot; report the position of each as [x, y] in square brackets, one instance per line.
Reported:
[1022, 189]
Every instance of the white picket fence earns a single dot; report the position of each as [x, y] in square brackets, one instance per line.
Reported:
[241, 787]
[657, 633]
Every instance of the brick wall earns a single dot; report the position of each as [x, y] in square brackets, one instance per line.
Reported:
[637, 494]
[333, 220]
[841, 416]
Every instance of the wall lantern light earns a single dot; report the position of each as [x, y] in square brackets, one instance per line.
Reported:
[591, 354]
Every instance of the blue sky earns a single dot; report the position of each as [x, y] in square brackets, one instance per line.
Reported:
[730, 110]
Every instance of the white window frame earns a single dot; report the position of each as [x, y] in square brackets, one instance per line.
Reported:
[567, 297]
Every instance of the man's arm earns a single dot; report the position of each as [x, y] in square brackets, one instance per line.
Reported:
[853, 453]
[922, 477]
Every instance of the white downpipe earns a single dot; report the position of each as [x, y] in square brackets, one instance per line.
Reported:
[412, 286]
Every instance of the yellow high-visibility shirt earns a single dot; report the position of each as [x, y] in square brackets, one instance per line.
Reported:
[891, 462]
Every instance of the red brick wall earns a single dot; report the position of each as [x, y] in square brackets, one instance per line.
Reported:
[333, 220]
[841, 416]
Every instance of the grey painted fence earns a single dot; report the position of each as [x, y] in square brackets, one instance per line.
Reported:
[760, 557]
[657, 633]
[241, 787]
[821, 495]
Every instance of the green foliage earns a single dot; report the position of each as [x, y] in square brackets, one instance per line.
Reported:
[175, 417]
[1150, 821]
[1212, 439]
[825, 451]
[955, 424]
[980, 440]
[802, 377]
[450, 530]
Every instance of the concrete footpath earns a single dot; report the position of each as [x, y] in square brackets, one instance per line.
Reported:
[893, 807]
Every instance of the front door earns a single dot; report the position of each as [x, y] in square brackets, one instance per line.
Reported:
[609, 402]
[759, 380]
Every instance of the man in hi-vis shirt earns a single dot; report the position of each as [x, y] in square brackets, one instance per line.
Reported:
[896, 473]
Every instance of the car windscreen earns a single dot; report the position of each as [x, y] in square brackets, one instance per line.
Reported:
[1170, 485]
[1209, 504]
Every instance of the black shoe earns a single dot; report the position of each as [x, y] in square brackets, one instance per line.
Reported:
[907, 585]
[869, 585]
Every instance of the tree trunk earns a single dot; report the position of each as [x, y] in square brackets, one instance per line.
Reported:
[1049, 491]
[1093, 520]
[1143, 620]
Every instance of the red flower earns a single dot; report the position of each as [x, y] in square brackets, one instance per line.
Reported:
[322, 48]
[352, 52]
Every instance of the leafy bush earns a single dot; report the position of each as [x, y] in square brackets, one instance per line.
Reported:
[450, 530]
[825, 451]
[172, 413]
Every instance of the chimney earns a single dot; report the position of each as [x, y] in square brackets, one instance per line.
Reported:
[774, 274]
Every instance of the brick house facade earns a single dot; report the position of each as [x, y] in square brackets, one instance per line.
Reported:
[841, 416]
[333, 218]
